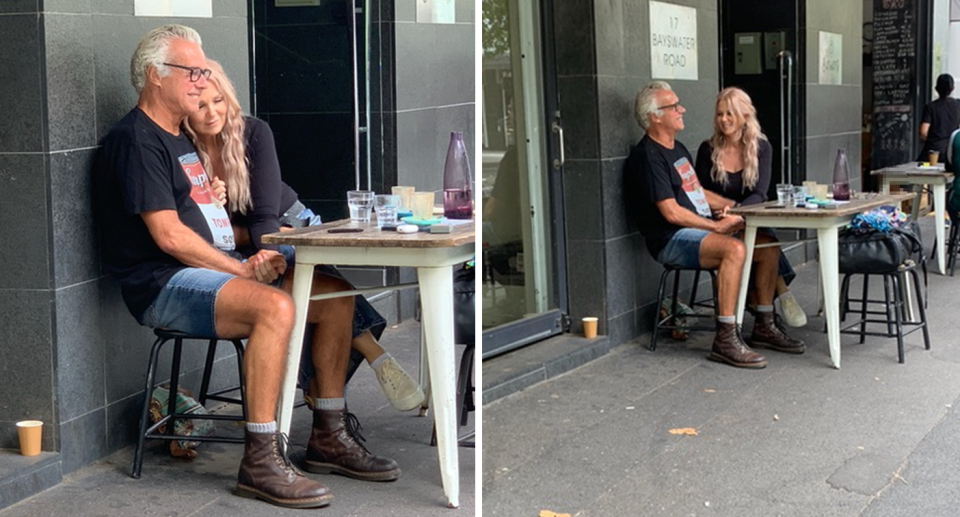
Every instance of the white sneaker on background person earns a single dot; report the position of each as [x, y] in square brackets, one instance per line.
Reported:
[791, 311]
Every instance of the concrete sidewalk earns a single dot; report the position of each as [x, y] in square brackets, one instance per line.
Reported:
[799, 438]
[204, 487]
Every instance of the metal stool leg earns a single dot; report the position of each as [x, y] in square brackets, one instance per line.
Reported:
[207, 368]
[863, 308]
[656, 310]
[174, 386]
[145, 411]
[921, 310]
[897, 312]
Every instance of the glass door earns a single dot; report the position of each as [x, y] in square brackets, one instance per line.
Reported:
[522, 278]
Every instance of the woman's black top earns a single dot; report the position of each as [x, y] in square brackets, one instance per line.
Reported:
[734, 188]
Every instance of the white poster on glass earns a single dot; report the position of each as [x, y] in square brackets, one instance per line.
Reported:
[831, 58]
[673, 41]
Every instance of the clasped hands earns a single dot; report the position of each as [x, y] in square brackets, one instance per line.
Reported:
[727, 224]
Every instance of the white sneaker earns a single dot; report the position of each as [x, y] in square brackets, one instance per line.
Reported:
[791, 311]
[401, 390]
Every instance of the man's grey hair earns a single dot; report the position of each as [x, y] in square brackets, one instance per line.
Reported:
[153, 49]
[646, 103]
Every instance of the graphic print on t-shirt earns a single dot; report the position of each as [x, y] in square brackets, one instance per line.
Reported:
[202, 194]
[691, 186]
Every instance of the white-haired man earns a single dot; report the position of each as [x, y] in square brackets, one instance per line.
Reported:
[168, 242]
[677, 219]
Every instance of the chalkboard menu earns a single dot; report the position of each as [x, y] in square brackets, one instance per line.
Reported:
[894, 81]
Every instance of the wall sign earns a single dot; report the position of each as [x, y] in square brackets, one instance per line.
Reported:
[831, 58]
[174, 8]
[673, 42]
[436, 11]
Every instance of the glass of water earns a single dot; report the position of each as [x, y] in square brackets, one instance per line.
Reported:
[387, 207]
[360, 203]
[784, 193]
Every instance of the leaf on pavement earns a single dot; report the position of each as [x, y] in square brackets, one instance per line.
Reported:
[548, 513]
[689, 431]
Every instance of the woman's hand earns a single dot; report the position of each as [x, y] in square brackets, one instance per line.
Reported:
[267, 265]
[219, 190]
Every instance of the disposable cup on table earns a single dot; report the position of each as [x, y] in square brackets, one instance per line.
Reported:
[423, 205]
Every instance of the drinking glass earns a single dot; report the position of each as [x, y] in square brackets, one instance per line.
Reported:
[784, 190]
[387, 206]
[423, 205]
[360, 203]
[406, 196]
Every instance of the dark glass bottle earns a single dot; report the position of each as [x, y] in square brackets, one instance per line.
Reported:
[457, 180]
[841, 177]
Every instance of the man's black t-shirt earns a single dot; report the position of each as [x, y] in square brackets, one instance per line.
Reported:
[943, 115]
[139, 168]
[655, 173]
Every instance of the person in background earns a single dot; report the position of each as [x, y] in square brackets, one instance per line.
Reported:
[240, 151]
[686, 226]
[735, 163]
[940, 118]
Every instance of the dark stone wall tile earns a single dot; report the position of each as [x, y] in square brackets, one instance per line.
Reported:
[583, 200]
[617, 218]
[444, 54]
[123, 421]
[126, 345]
[586, 271]
[404, 11]
[112, 7]
[578, 106]
[624, 327]
[419, 149]
[621, 273]
[619, 130]
[70, 81]
[26, 359]
[230, 8]
[23, 185]
[466, 11]
[611, 43]
[319, 168]
[305, 69]
[833, 109]
[19, 6]
[83, 440]
[20, 72]
[80, 351]
[575, 50]
[42, 474]
[821, 152]
[76, 256]
[66, 6]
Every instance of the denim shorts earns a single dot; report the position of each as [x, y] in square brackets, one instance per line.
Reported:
[188, 302]
[683, 249]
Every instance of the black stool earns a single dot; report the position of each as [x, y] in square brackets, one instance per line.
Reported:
[893, 304]
[150, 431]
[668, 322]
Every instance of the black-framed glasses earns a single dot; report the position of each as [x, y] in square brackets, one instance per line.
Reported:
[675, 106]
[195, 72]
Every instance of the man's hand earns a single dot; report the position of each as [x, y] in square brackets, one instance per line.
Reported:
[729, 224]
[266, 266]
[219, 190]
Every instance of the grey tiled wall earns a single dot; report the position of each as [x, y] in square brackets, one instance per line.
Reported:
[75, 356]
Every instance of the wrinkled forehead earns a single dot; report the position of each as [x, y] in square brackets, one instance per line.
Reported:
[666, 97]
[186, 53]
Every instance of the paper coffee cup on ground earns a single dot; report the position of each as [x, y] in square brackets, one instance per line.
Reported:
[590, 327]
[29, 432]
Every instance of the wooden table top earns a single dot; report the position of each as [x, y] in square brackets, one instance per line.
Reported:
[372, 237]
[863, 202]
[912, 168]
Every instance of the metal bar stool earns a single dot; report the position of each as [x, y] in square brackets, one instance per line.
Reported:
[893, 307]
[668, 323]
[150, 431]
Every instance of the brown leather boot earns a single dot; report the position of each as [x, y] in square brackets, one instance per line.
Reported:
[334, 447]
[266, 473]
[769, 333]
[728, 347]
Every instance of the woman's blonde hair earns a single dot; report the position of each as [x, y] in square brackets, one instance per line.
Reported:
[748, 138]
[231, 141]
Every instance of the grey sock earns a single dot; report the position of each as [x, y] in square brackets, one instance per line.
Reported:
[727, 319]
[378, 361]
[764, 308]
[334, 404]
[267, 427]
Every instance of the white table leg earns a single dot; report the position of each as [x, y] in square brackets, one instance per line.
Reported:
[302, 282]
[885, 187]
[939, 203]
[749, 240]
[830, 273]
[436, 295]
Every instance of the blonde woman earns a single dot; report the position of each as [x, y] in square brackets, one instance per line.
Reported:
[239, 151]
[735, 162]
